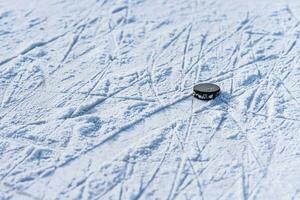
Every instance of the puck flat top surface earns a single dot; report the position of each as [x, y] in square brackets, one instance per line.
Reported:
[206, 91]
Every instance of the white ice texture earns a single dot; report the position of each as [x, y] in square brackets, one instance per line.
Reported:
[95, 99]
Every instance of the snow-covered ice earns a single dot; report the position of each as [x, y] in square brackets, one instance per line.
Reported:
[95, 99]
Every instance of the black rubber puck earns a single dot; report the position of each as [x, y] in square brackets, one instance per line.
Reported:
[206, 91]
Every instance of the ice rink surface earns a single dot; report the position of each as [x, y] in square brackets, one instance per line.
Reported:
[95, 99]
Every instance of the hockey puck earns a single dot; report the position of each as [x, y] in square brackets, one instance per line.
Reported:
[206, 91]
